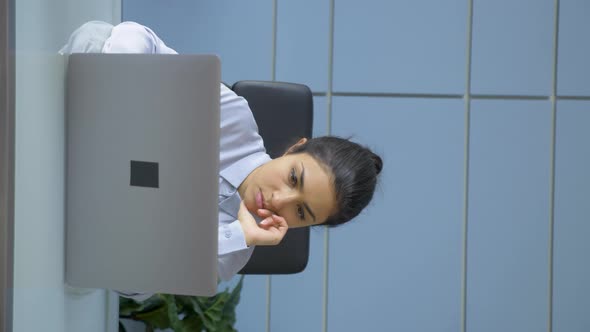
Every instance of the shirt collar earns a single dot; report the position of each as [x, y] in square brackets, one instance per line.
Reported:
[238, 171]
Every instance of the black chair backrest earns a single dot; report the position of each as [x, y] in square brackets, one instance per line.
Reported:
[284, 114]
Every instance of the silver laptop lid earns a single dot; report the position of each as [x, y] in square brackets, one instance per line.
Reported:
[142, 172]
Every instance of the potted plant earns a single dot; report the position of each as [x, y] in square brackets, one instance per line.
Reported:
[184, 313]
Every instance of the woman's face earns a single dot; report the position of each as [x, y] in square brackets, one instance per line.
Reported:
[294, 187]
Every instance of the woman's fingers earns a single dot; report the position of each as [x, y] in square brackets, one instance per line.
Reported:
[270, 231]
[267, 222]
[273, 221]
[280, 222]
[277, 226]
[264, 213]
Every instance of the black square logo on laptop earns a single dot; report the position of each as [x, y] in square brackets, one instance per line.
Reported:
[144, 174]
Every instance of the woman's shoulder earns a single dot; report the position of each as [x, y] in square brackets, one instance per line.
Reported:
[235, 111]
[239, 136]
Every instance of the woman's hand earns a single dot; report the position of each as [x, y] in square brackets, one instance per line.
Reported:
[269, 232]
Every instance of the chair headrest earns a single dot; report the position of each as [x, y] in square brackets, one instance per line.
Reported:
[284, 114]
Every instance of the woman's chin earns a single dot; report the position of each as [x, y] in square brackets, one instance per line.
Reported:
[251, 206]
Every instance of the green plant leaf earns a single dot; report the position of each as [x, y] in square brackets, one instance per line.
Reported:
[157, 318]
[191, 324]
[187, 303]
[161, 311]
[214, 312]
[172, 312]
[197, 307]
[129, 307]
[234, 299]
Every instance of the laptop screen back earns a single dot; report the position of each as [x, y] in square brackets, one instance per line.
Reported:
[142, 172]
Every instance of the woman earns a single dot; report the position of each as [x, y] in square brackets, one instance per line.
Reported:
[320, 181]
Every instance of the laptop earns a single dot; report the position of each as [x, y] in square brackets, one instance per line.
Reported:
[142, 172]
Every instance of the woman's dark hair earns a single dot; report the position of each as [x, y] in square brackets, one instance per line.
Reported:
[354, 169]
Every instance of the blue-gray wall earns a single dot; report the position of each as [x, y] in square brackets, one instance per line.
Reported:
[481, 111]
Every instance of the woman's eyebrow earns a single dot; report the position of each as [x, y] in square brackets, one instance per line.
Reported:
[301, 177]
[301, 188]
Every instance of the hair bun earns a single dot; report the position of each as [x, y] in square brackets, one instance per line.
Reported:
[378, 163]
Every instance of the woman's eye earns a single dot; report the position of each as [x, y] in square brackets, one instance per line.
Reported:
[293, 177]
[300, 212]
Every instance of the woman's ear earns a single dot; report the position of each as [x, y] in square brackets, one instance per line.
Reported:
[299, 143]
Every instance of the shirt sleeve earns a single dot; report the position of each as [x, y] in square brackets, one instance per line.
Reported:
[231, 238]
[233, 253]
[230, 263]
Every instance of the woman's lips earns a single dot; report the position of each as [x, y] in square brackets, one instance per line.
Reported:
[259, 199]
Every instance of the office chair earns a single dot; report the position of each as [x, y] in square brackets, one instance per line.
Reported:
[284, 114]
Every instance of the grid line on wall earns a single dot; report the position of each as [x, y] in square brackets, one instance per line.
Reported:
[397, 95]
[274, 40]
[508, 97]
[467, 99]
[552, 168]
[450, 96]
[329, 132]
[117, 11]
[586, 98]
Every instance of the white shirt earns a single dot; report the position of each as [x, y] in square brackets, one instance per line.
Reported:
[241, 147]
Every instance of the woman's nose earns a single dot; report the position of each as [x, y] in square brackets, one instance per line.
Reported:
[281, 198]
